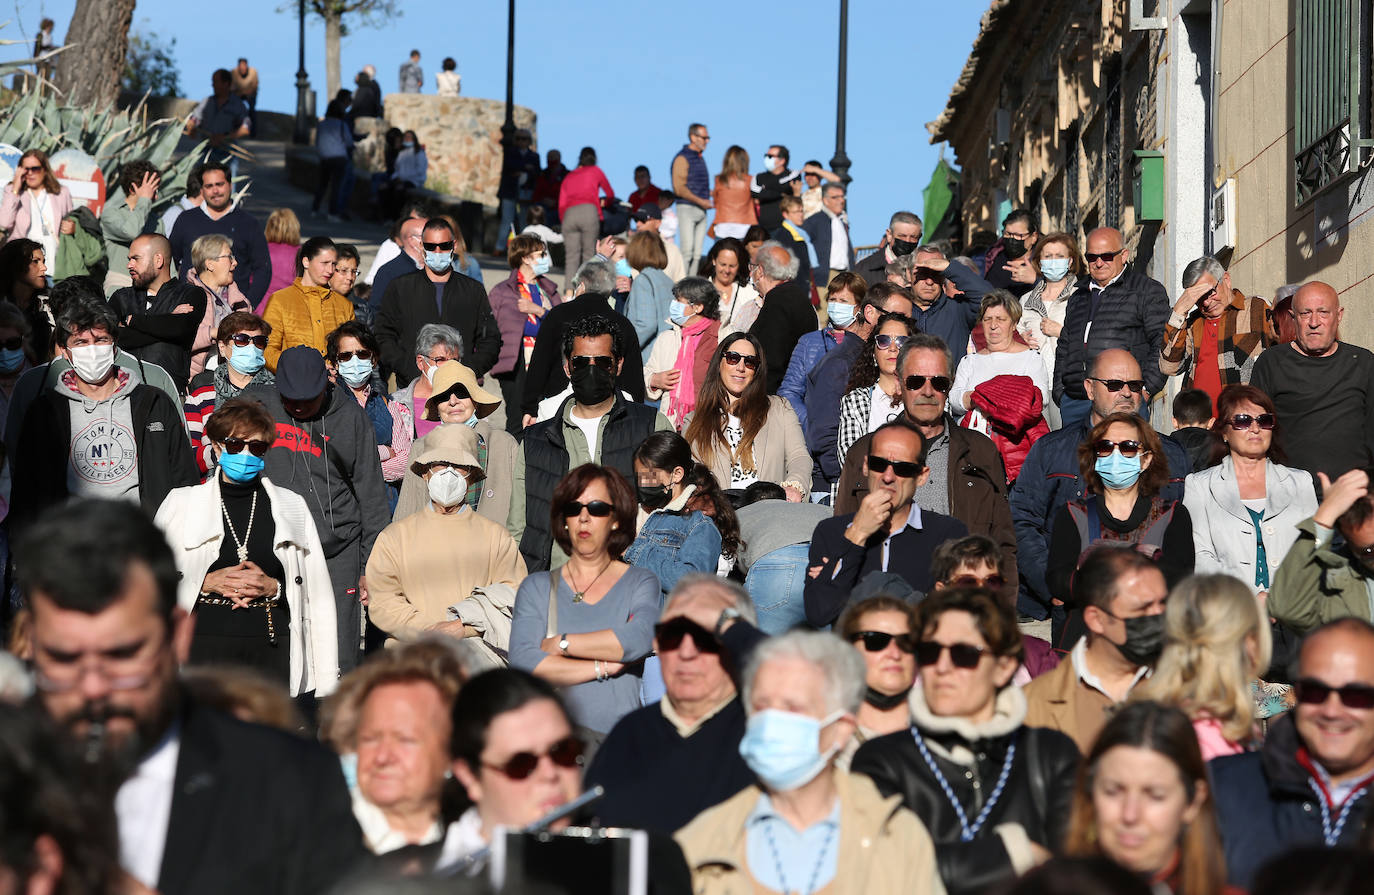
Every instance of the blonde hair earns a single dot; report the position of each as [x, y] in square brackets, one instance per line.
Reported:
[208, 247]
[283, 227]
[1205, 668]
[734, 167]
[433, 660]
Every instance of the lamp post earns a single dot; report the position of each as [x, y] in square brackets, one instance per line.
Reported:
[304, 113]
[840, 163]
[508, 129]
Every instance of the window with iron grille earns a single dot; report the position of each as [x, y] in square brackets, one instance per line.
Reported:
[1331, 81]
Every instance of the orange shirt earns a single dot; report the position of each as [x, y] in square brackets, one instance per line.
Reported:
[734, 203]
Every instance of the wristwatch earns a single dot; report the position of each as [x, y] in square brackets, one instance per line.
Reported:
[726, 616]
[563, 644]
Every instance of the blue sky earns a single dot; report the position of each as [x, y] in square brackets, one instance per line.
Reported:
[627, 76]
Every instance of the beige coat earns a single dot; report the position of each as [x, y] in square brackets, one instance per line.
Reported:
[780, 453]
[496, 487]
[884, 849]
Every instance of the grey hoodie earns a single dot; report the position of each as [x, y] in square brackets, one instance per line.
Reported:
[104, 447]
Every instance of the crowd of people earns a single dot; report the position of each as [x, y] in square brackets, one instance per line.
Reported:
[746, 539]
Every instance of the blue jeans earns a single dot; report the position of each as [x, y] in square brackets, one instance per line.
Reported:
[775, 584]
[691, 232]
[512, 218]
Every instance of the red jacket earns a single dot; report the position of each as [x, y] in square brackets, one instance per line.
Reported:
[1014, 409]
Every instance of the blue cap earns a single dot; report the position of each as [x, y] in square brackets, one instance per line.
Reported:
[301, 375]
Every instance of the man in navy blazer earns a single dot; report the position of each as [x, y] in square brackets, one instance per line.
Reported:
[827, 228]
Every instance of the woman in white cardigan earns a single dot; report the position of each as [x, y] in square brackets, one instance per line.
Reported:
[252, 569]
[1246, 510]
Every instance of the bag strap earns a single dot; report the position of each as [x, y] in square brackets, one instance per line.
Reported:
[553, 603]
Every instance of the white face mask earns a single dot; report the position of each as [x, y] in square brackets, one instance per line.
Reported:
[93, 362]
[447, 486]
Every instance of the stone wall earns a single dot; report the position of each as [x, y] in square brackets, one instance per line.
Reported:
[462, 137]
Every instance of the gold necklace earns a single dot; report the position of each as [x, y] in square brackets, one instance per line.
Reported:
[580, 595]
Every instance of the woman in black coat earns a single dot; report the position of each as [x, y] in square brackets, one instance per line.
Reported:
[994, 794]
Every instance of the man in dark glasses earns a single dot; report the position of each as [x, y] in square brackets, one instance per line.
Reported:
[889, 532]
[947, 297]
[1310, 783]
[664, 764]
[1113, 308]
[966, 479]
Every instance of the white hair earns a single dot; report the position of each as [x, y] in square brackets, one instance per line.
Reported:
[768, 260]
[739, 597]
[840, 665]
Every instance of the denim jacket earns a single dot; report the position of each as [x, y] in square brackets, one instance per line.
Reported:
[673, 543]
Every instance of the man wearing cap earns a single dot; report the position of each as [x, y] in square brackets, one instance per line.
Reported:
[650, 217]
[459, 400]
[326, 452]
[433, 559]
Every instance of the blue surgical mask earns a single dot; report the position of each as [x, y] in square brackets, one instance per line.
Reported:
[840, 314]
[1118, 472]
[439, 262]
[408, 144]
[349, 764]
[471, 422]
[1055, 269]
[783, 749]
[241, 467]
[11, 360]
[677, 312]
[355, 371]
[247, 359]
[543, 265]
[623, 268]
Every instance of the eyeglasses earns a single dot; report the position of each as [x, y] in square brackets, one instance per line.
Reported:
[925, 273]
[598, 508]
[586, 360]
[1243, 421]
[671, 633]
[886, 341]
[1115, 385]
[877, 641]
[1353, 696]
[1106, 257]
[13, 344]
[734, 358]
[256, 447]
[438, 246]
[566, 753]
[360, 354]
[30, 169]
[221, 257]
[939, 383]
[963, 655]
[991, 582]
[243, 340]
[125, 668]
[350, 272]
[1128, 447]
[905, 469]
[437, 360]
[1010, 235]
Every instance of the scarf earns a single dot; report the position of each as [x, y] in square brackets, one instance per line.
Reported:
[378, 412]
[698, 342]
[530, 292]
[227, 391]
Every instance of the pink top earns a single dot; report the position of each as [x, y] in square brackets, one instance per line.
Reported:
[580, 188]
[1212, 741]
[283, 270]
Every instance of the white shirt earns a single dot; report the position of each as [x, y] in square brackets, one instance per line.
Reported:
[880, 409]
[977, 368]
[378, 835]
[1079, 656]
[463, 838]
[839, 242]
[591, 429]
[42, 226]
[385, 252]
[143, 806]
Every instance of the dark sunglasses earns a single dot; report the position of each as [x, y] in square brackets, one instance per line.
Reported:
[887, 340]
[566, 753]
[360, 354]
[586, 360]
[877, 641]
[243, 340]
[925, 273]
[963, 655]
[906, 469]
[13, 344]
[255, 447]
[1102, 256]
[438, 246]
[991, 582]
[939, 383]
[1353, 696]
[598, 508]
[671, 633]
[733, 358]
[1116, 385]
[1128, 447]
[1242, 421]
[29, 169]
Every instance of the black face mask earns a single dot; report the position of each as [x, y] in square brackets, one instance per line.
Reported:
[1014, 248]
[654, 497]
[882, 702]
[1144, 639]
[901, 247]
[592, 384]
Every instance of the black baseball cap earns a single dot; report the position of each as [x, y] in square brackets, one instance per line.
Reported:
[301, 375]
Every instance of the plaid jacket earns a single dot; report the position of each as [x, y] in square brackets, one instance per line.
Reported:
[1245, 330]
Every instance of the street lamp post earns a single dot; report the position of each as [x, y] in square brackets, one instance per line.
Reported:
[840, 163]
[508, 129]
[301, 132]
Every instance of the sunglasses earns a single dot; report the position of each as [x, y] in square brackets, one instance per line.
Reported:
[243, 340]
[963, 655]
[1102, 256]
[670, 635]
[566, 753]
[887, 340]
[255, 447]
[906, 469]
[598, 508]
[925, 273]
[438, 246]
[30, 169]
[1128, 447]
[1242, 421]
[1353, 696]
[586, 360]
[13, 344]
[733, 358]
[991, 582]
[360, 354]
[939, 383]
[1116, 385]
[877, 641]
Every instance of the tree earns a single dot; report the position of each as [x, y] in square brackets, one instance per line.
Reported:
[334, 12]
[150, 66]
[89, 73]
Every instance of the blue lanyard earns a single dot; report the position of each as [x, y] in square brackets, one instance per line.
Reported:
[777, 858]
[1331, 835]
[967, 832]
